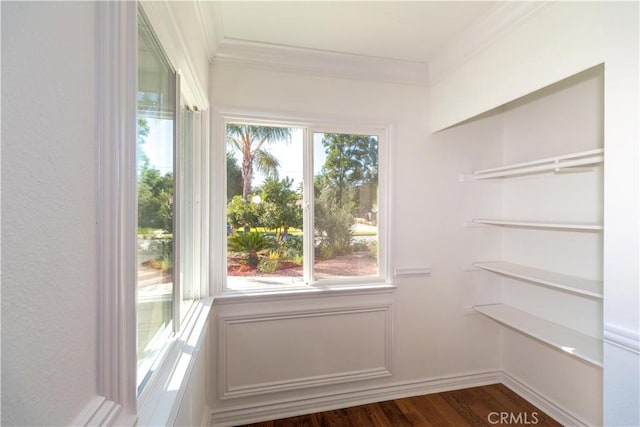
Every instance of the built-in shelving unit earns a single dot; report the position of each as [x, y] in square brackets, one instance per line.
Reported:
[577, 285]
[552, 164]
[565, 339]
[541, 224]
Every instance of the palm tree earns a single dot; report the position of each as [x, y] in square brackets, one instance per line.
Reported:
[250, 140]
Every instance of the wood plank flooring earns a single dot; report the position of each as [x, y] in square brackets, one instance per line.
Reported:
[493, 405]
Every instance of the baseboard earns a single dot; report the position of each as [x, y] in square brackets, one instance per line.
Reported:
[325, 402]
[561, 415]
[205, 420]
[102, 412]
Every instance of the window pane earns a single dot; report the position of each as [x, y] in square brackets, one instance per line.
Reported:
[345, 205]
[155, 173]
[264, 206]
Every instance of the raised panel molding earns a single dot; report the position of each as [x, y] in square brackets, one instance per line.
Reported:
[231, 387]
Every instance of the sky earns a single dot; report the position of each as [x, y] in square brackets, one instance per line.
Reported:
[291, 157]
[160, 152]
[158, 146]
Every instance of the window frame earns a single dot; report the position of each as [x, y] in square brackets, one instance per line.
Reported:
[182, 310]
[310, 126]
[117, 401]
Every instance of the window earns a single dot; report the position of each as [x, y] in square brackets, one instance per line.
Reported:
[168, 202]
[304, 206]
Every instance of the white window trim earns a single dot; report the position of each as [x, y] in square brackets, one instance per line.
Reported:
[116, 128]
[116, 401]
[315, 123]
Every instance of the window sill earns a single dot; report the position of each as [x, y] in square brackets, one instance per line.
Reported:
[160, 403]
[256, 295]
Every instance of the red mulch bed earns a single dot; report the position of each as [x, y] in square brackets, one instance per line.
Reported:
[356, 264]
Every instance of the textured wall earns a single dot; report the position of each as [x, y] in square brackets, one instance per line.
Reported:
[48, 212]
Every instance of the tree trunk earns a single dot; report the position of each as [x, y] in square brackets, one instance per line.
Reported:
[247, 172]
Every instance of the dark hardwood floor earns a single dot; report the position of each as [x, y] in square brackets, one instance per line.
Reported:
[493, 405]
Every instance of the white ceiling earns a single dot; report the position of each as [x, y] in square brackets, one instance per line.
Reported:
[400, 30]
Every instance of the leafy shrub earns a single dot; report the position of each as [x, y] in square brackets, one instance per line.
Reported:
[250, 244]
[267, 265]
[292, 242]
[373, 249]
[333, 230]
[360, 246]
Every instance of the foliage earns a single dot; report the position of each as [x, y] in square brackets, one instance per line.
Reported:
[234, 177]
[333, 226]
[242, 213]
[249, 244]
[267, 265]
[345, 187]
[155, 199]
[279, 209]
[360, 246]
[351, 162]
[373, 249]
[249, 141]
[142, 131]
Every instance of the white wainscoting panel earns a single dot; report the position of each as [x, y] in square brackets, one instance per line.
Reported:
[265, 353]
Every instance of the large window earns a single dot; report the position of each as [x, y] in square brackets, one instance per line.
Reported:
[303, 206]
[169, 220]
[156, 200]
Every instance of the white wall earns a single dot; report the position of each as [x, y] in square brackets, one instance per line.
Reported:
[557, 41]
[426, 230]
[49, 198]
[48, 212]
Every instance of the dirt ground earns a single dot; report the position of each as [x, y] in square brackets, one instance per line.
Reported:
[356, 264]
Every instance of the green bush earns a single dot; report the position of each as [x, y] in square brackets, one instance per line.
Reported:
[360, 246]
[267, 265]
[250, 244]
[373, 249]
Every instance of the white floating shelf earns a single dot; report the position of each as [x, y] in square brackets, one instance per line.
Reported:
[541, 224]
[577, 285]
[565, 339]
[552, 164]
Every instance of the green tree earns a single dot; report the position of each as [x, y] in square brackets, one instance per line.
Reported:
[142, 128]
[242, 213]
[234, 177]
[279, 208]
[351, 162]
[333, 226]
[155, 199]
[249, 141]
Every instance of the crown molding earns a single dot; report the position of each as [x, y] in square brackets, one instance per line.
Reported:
[210, 22]
[319, 62]
[481, 34]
